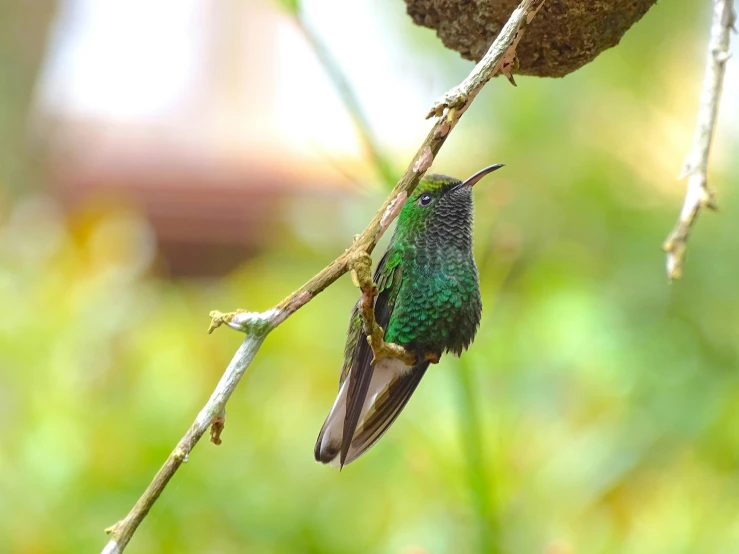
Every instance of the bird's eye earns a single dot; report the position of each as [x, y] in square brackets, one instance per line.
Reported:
[425, 199]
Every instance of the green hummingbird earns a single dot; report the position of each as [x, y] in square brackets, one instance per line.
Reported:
[428, 302]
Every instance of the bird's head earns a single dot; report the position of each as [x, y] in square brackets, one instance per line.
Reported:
[440, 202]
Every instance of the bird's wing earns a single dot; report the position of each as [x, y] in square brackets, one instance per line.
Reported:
[358, 355]
[384, 410]
[387, 278]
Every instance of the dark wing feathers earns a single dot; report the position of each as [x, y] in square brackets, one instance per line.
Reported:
[386, 409]
[387, 278]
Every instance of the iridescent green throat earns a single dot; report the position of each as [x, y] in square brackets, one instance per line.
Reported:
[438, 306]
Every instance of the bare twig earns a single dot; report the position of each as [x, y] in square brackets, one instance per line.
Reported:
[258, 325]
[500, 57]
[124, 529]
[699, 194]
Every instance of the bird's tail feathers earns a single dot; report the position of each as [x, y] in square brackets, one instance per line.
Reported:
[390, 388]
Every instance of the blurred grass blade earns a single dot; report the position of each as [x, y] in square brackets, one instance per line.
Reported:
[480, 482]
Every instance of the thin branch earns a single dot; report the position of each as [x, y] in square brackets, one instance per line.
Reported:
[258, 325]
[124, 529]
[699, 194]
[500, 57]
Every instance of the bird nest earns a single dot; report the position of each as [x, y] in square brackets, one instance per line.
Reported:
[565, 35]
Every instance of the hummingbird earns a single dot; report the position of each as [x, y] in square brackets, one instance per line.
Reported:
[428, 301]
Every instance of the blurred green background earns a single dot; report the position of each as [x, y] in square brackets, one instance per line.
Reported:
[163, 159]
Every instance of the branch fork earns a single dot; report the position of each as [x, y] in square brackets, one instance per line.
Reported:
[241, 320]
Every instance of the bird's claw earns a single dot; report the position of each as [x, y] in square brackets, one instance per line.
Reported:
[432, 357]
[382, 349]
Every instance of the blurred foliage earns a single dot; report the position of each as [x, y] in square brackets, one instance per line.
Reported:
[596, 412]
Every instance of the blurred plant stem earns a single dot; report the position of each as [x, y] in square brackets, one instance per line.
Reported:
[482, 487]
[348, 96]
[22, 51]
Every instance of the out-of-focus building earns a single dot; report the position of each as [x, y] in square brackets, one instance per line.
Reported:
[202, 114]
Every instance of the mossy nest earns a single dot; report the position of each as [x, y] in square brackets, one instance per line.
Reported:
[564, 36]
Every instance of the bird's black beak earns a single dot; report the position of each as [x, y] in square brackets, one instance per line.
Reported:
[479, 175]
